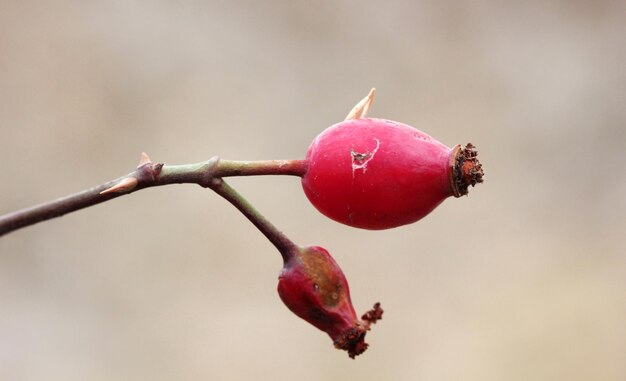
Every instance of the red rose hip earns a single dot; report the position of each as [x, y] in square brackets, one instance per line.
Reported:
[312, 285]
[379, 174]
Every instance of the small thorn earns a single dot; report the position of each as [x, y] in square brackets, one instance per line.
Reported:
[362, 108]
[125, 185]
[144, 159]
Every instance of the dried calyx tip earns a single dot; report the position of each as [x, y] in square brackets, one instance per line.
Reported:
[466, 169]
[353, 341]
[373, 315]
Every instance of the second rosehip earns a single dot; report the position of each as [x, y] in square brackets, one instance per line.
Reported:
[312, 285]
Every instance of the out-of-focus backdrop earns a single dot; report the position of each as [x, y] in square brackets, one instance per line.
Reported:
[525, 279]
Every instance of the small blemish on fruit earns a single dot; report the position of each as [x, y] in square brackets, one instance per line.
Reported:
[361, 159]
[359, 156]
[316, 286]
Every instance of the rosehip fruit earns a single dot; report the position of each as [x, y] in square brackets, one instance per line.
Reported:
[311, 283]
[312, 286]
[379, 174]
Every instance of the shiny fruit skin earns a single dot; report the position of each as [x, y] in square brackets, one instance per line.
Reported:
[376, 173]
[313, 287]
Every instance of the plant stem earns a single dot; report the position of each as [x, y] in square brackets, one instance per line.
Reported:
[285, 246]
[147, 175]
[267, 167]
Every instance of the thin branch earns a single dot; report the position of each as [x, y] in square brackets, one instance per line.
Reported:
[148, 174]
[285, 246]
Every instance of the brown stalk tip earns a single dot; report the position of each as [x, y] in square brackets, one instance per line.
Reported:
[353, 340]
[373, 315]
[466, 169]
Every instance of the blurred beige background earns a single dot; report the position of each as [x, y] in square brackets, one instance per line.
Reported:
[525, 279]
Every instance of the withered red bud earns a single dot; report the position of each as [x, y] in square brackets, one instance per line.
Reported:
[312, 285]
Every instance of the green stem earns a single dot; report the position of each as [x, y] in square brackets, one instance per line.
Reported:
[265, 167]
[147, 175]
[197, 172]
[285, 246]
